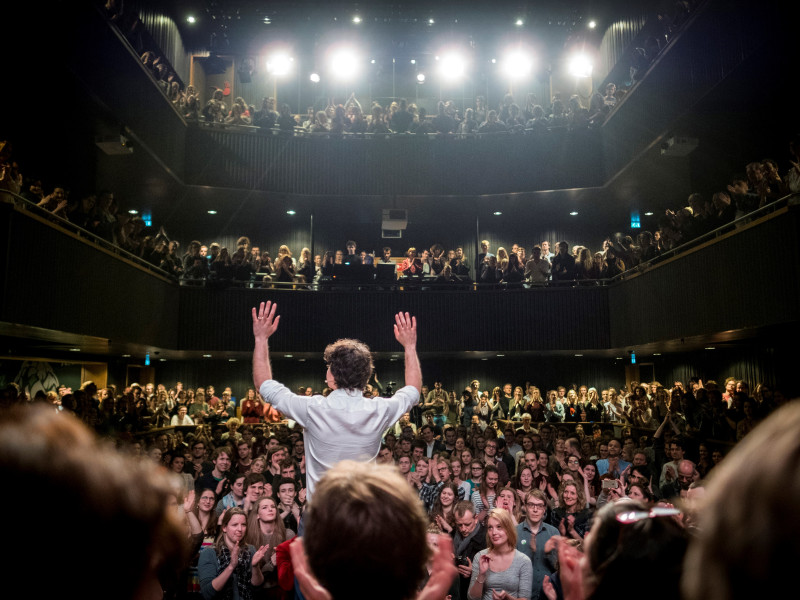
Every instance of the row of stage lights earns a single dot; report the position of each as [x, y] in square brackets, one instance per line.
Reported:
[344, 64]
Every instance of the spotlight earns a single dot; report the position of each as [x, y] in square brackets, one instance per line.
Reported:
[519, 22]
[314, 77]
[592, 24]
[431, 21]
[343, 64]
[574, 213]
[212, 212]
[413, 61]
[580, 66]
[290, 212]
[452, 66]
[517, 65]
[356, 19]
[279, 64]
[191, 19]
[421, 77]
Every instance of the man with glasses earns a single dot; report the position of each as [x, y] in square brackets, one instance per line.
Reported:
[532, 534]
[687, 474]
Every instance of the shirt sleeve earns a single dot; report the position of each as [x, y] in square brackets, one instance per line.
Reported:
[207, 566]
[280, 397]
[525, 576]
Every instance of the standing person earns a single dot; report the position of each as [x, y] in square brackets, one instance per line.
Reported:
[509, 577]
[345, 411]
[532, 535]
[469, 539]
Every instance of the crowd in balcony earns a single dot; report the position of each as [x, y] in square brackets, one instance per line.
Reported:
[555, 460]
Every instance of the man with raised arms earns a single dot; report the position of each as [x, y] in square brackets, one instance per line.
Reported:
[344, 425]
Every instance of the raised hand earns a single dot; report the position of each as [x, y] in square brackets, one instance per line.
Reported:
[188, 502]
[265, 323]
[259, 554]
[405, 329]
[442, 572]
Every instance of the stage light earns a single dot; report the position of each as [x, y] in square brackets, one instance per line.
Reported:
[421, 77]
[431, 21]
[343, 63]
[191, 19]
[574, 213]
[580, 66]
[413, 61]
[279, 64]
[314, 77]
[519, 22]
[592, 24]
[356, 19]
[452, 66]
[517, 65]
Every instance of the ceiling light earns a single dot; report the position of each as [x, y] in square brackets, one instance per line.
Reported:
[191, 19]
[648, 214]
[519, 22]
[162, 360]
[212, 212]
[578, 355]
[431, 21]
[74, 349]
[413, 61]
[314, 77]
[517, 65]
[500, 355]
[592, 24]
[287, 356]
[421, 77]
[494, 61]
[206, 356]
[290, 212]
[710, 348]
[580, 66]
[452, 66]
[231, 360]
[356, 19]
[497, 213]
[133, 211]
[267, 21]
[656, 353]
[574, 213]
[279, 64]
[343, 63]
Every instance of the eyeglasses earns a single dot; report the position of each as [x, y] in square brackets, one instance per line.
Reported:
[534, 505]
[639, 515]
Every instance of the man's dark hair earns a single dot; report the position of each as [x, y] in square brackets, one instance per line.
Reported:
[283, 481]
[350, 362]
[254, 478]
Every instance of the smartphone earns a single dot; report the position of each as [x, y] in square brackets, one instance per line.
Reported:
[610, 484]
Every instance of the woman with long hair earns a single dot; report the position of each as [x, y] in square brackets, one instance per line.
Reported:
[553, 410]
[266, 528]
[571, 517]
[483, 499]
[231, 568]
[501, 567]
[507, 499]
[442, 512]
[593, 407]
[523, 483]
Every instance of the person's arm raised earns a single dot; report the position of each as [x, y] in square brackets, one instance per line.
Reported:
[405, 331]
[265, 323]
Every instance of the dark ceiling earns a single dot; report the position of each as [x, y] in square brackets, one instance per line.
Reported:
[400, 26]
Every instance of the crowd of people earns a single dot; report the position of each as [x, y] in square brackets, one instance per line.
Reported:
[499, 473]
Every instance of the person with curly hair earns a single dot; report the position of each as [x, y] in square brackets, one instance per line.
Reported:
[345, 413]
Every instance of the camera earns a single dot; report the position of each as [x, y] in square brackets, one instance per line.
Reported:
[612, 484]
[462, 560]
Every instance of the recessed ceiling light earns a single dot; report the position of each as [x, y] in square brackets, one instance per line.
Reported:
[519, 22]
[592, 24]
[206, 356]
[231, 360]
[431, 21]
[356, 19]
[392, 360]
[212, 212]
[267, 21]
[484, 359]
[618, 358]
[287, 356]
[162, 360]
[656, 353]
[494, 61]
[579, 355]
[497, 213]
[500, 355]
[290, 212]
[126, 356]
[314, 77]
[574, 213]
[191, 19]
[372, 61]
[74, 349]
[413, 61]
[301, 360]
[133, 211]
[710, 348]
[648, 214]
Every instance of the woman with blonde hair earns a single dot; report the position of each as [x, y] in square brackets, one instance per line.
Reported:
[571, 517]
[501, 571]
